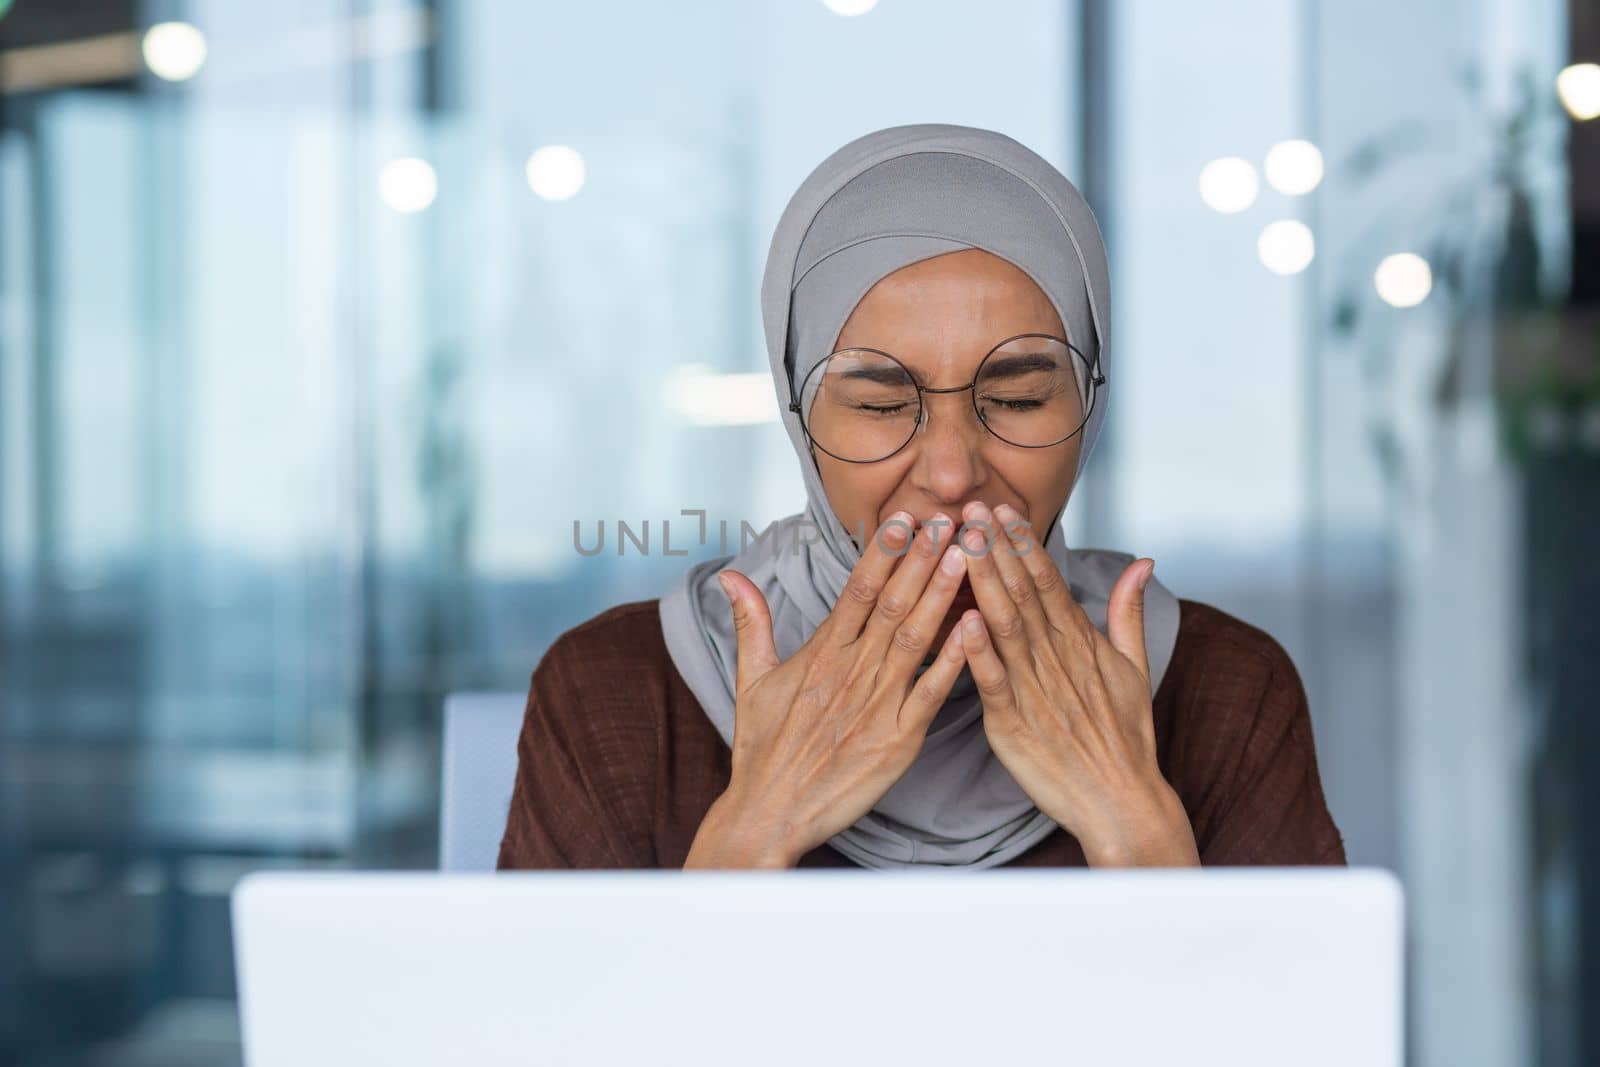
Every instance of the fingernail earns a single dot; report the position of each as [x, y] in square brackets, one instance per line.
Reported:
[973, 625]
[727, 590]
[951, 562]
[1148, 573]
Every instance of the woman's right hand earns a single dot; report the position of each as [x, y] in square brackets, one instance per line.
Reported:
[820, 737]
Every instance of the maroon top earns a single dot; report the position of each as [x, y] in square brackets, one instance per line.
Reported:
[618, 763]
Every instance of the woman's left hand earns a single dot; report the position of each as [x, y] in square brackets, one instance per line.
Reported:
[1067, 710]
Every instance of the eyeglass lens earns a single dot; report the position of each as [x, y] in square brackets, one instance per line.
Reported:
[862, 405]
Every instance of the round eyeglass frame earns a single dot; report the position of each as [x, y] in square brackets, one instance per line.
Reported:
[1096, 379]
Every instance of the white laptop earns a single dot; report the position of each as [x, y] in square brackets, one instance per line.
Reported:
[821, 967]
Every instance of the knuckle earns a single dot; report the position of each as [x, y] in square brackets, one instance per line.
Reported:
[819, 656]
[993, 687]
[1020, 586]
[861, 589]
[892, 605]
[1048, 580]
[909, 638]
[1009, 625]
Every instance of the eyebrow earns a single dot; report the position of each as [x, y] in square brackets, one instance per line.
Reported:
[1013, 366]
[1007, 366]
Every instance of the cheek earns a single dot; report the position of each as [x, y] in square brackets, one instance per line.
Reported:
[857, 492]
[1042, 477]
[1063, 473]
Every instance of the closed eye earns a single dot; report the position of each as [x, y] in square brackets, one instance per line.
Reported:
[1015, 405]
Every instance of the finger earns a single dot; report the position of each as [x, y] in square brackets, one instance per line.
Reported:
[903, 592]
[1004, 622]
[1014, 576]
[932, 689]
[1066, 616]
[752, 627]
[1125, 614]
[989, 673]
[868, 577]
[909, 645]
[1054, 593]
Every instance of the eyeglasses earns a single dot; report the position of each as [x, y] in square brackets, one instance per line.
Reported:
[862, 405]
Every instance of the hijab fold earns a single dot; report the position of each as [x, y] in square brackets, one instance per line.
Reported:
[882, 202]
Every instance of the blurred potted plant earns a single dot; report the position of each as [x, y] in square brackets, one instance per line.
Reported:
[1505, 352]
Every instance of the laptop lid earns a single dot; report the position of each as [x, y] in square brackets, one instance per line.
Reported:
[1226, 966]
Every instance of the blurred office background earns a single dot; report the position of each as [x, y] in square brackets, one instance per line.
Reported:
[323, 323]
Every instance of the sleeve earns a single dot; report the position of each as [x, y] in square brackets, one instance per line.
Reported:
[1267, 807]
[581, 795]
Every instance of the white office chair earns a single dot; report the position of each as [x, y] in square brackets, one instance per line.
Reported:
[480, 767]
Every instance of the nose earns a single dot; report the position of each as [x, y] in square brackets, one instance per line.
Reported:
[949, 441]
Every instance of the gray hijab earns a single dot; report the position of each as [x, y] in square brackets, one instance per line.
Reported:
[882, 202]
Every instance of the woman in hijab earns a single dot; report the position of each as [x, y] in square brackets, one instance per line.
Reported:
[916, 670]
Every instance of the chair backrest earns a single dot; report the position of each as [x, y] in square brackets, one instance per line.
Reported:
[480, 767]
